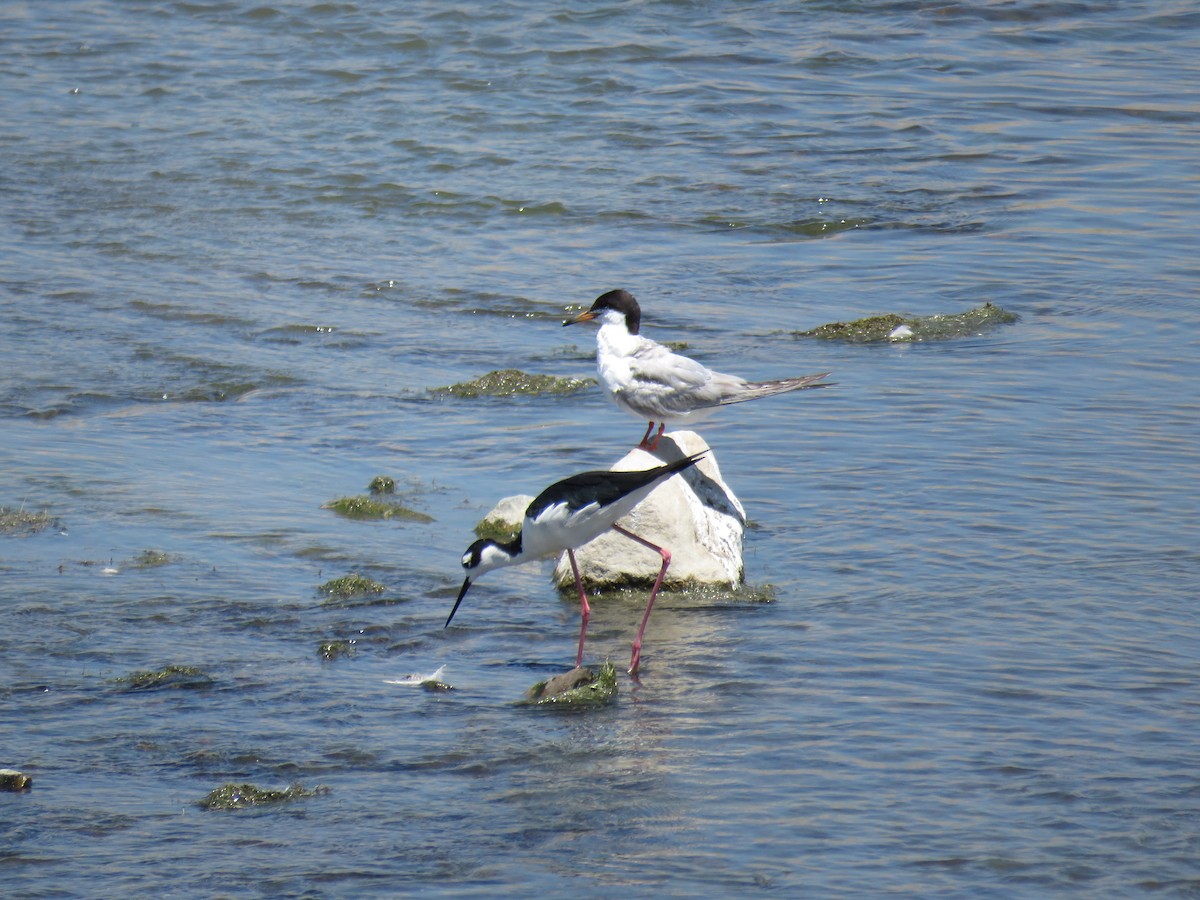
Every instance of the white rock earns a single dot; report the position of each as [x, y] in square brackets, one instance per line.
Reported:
[509, 512]
[695, 516]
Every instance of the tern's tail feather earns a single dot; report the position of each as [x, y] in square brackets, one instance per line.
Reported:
[752, 390]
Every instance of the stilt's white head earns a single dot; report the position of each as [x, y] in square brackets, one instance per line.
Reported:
[483, 556]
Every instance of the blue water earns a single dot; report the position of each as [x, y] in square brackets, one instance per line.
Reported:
[240, 244]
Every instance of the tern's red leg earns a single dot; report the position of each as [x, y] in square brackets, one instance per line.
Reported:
[584, 609]
[645, 442]
[666, 561]
[653, 445]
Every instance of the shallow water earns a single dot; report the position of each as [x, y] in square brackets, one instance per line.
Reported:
[242, 243]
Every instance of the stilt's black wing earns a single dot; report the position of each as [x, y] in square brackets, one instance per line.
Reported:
[604, 488]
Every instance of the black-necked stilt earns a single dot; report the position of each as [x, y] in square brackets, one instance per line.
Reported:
[567, 515]
[649, 381]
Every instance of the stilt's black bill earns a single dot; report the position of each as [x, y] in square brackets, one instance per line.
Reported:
[461, 594]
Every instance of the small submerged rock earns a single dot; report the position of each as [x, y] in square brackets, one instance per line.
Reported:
[331, 650]
[382, 484]
[167, 677]
[577, 689]
[14, 781]
[350, 586]
[240, 796]
[513, 383]
[150, 559]
[896, 328]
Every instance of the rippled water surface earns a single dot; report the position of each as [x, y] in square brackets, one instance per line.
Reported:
[241, 243]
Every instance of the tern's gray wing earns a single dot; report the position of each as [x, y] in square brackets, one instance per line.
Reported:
[680, 385]
[653, 364]
[670, 382]
[738, 389]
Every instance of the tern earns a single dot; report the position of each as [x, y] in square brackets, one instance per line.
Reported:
[567, 515]
[651, 382]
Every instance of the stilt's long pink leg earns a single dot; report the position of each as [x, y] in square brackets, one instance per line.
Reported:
[584, 609]
[666, 561]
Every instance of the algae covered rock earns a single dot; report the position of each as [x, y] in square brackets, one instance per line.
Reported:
[241, 796]
[167, 677]
[577, 689]
[364, 506]
[505, 519]
[19, 521]
[382, 484]
[896, 328]
[331, 650]
[350, 586]
[150, 559]
[514, 383]
[871, 328]
[14, 781]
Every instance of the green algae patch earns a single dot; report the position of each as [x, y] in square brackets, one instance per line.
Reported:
[514, 383]
[505, 519]
[894, 328]
[149, 559]
[331, 650]
[167, 677]
[382, 484]
[497, 529]
[860, 331]
[242, 796]
[349, 586]
[364, 507]
[578, 689]
[18, 521]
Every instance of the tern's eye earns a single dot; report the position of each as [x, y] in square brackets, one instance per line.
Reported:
[466, 561]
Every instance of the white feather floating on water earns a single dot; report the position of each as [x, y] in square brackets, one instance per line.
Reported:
[418, 680]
